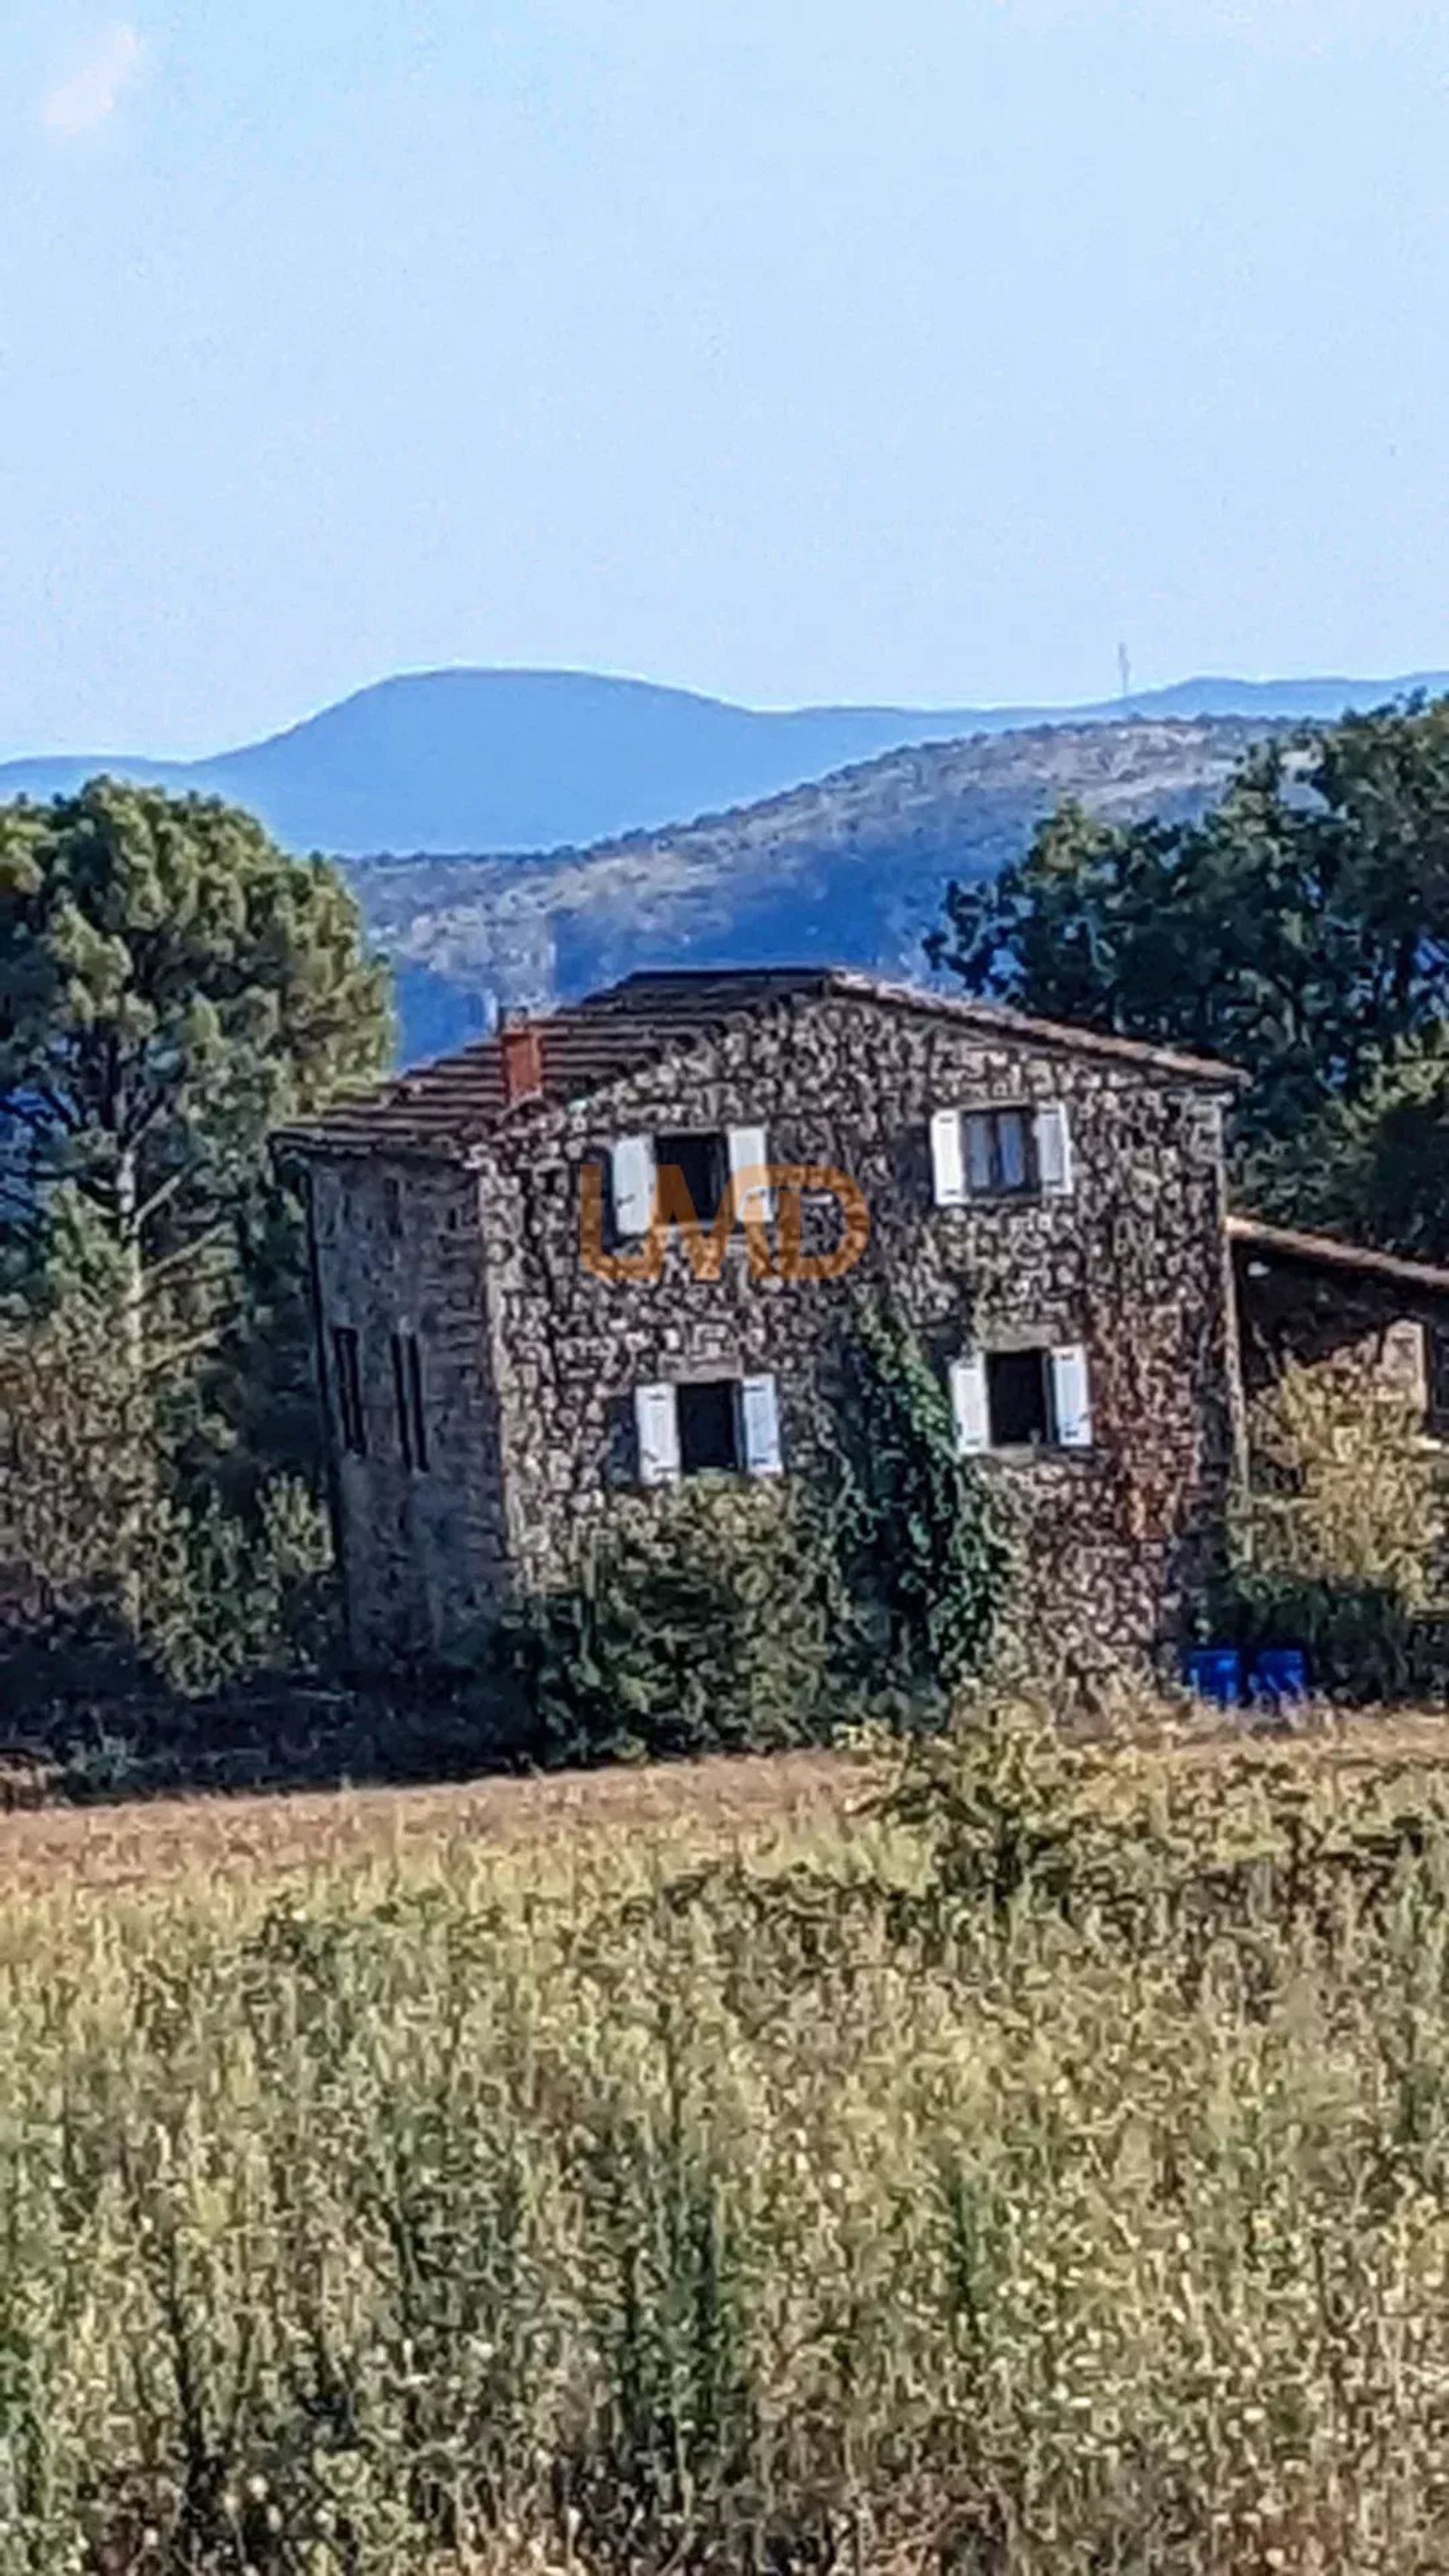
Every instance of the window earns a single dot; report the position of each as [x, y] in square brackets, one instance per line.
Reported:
[707, 1424]
[1035, 1398]
[1000, 1150]
[407, 1388]
[702, 1163]
[347, 1390]
[392, 1209]
[1018, 1398]
[1008, 1151]
[707, 1160]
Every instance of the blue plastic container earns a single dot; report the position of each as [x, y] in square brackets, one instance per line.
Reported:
[1279, 1675]
[1215, 1673]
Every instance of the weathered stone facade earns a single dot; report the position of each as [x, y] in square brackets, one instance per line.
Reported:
[471, 1243]
[398, 1251]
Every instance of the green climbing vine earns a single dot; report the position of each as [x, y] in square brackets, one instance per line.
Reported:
[923, 1546]
[729, 1615]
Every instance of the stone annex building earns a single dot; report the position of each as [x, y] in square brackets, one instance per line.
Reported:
[503, 1340]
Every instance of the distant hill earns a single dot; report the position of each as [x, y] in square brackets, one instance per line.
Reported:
[526, 760]
[851, 867]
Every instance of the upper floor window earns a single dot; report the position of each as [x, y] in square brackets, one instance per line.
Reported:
[407, 1388]
[1005, 1151]
[704, 1166]
[1037, 1398]
[347, 1390]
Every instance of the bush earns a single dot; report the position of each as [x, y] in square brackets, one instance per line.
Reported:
[701, 1618]
[1341, 1542]
[109, 1577]
[1360, 1638]
[227, 1594]
[1344, 1489]
[717, 1615]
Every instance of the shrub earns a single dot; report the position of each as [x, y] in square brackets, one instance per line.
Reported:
[1340, 1543]
[1344, 1489]
[111, 1578]
[227, 1594]
[723, 1615]
[1361, 1639]
[702, 1617]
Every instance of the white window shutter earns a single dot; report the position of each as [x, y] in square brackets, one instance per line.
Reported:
[1071, 1396]
[947, 1169]
[656, 1420]
[632, 1182]
[1054, 1151]
[969, 1406]
[749, 1151]
[760, 1426]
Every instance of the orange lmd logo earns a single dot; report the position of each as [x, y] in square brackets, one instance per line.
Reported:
[781, 1186]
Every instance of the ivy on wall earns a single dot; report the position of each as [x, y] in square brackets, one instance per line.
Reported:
[730, 1615]
[922, 1543]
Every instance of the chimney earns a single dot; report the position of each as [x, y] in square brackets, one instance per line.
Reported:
[521, 1043]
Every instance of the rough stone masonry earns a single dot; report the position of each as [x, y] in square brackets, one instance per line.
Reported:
[1046, 1208]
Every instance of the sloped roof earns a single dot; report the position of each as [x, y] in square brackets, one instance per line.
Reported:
[1326, 1252]
[445, 1107]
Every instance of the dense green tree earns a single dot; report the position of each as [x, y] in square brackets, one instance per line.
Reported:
[1374, 1165]
[172, 985]
[1301, 929]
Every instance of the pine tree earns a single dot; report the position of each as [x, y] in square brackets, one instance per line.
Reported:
[171, 986]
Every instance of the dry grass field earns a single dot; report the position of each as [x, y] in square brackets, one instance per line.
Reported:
[135, 1844]
[158, 1843]
[702, 2169]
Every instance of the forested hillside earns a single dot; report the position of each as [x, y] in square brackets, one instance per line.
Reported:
[853, 867]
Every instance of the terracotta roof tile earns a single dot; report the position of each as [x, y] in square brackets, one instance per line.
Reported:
[444, 1108]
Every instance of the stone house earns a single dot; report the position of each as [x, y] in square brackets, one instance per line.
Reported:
[503, 1340]
[1371, 1319]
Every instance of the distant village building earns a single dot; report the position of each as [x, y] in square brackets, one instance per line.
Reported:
[504, 1342]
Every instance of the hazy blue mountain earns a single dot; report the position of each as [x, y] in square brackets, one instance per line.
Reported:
[528, 760]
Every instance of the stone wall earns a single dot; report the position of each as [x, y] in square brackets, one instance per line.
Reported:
[398, 1250]
[1132, 1265]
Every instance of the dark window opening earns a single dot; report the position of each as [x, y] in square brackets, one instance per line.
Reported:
[407, 1388]
[1018, 1398]
[709, 1428]
[702, 1161]
[347, 1389]
[392, 1206]
[1000, 1147]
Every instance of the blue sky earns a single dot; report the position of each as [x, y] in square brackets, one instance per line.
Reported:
[793, 349]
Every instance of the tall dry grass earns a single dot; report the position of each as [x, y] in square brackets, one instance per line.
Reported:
[1051, 2174]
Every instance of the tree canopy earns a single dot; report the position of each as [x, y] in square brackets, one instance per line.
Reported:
[1300, 930]
[171, 985]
